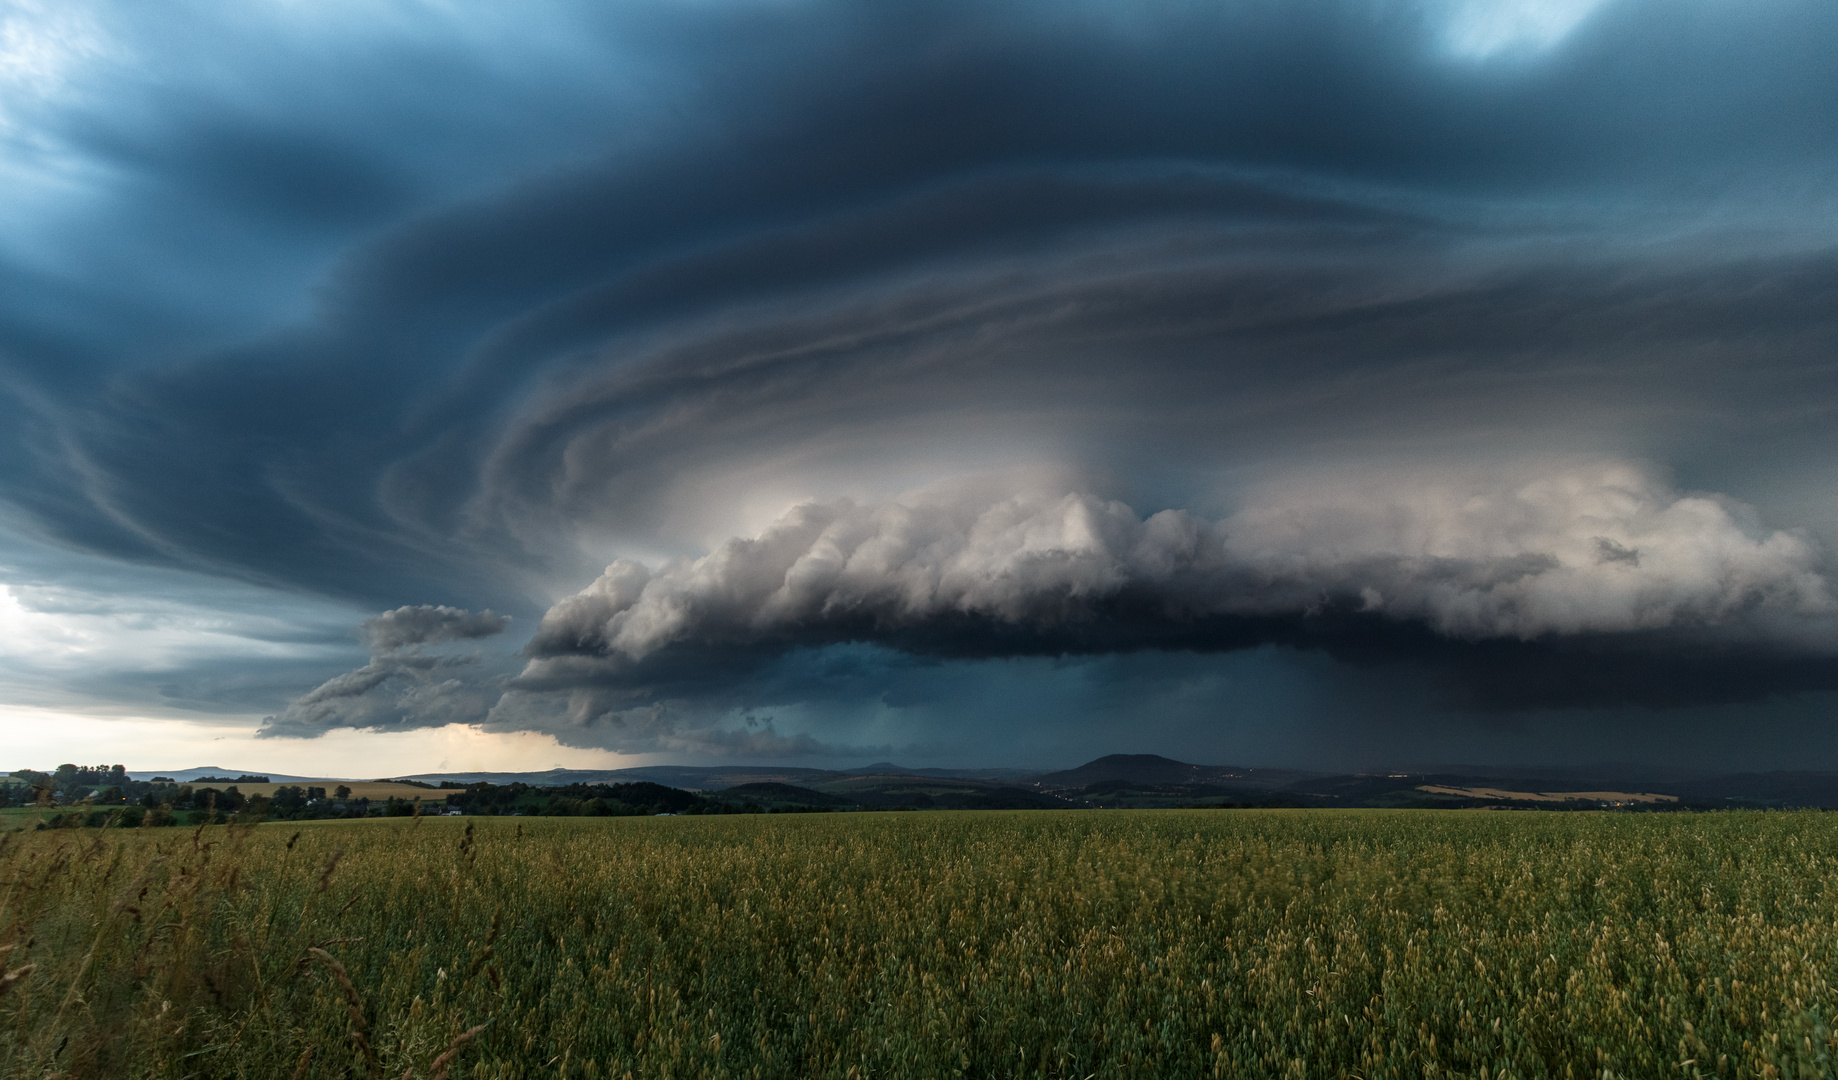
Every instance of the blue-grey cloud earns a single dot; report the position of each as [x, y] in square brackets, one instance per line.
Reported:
[429, 624]
[437, 305]
[407, 683]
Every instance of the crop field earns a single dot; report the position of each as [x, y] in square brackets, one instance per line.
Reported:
[988, 944]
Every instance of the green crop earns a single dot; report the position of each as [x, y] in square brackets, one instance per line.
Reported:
[1065, 944]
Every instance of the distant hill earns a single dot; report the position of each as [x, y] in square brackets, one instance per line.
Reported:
[1157, 771]
[688, 777]
[718, 778]
[1143, 780]
[768, 794]
[547, 778]
[1760, 789]
[887, 768]
[1128, 768]
[712, 777]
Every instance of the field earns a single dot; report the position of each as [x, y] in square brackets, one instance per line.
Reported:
[1064, 944]
[1614, 797]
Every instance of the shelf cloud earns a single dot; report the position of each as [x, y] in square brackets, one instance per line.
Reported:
[1602, 551]
[1594, 553]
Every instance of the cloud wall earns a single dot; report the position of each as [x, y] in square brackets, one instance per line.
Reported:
[1602, 550]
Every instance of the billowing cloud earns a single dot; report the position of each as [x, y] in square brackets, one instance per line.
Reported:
[588, 716]
[1598, 577]
[429, 624]
[1590, 552]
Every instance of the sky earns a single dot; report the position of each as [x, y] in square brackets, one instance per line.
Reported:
[420, 385]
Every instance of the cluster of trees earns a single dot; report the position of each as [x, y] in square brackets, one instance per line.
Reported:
[596, 800]
[163, 801]
[71, 784]
[175, 804]
[183, 804]
[103, 795]
[98, 786]
[290, 802]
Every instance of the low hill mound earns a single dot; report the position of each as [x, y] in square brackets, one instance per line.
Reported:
[1131, 769]
[767, 793]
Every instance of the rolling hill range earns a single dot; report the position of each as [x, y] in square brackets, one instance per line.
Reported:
[1148, 780]
[1152, 769]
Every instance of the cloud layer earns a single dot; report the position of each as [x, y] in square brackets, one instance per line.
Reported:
[1596, 551]
[433, 309]
[422, 357]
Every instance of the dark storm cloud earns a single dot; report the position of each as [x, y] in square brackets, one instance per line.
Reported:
[450, 307]
[798, 162]
[1408, 570]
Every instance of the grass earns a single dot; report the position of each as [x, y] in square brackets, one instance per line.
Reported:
[1115, 944]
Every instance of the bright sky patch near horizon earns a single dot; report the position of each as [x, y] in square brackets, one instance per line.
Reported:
[44, 738]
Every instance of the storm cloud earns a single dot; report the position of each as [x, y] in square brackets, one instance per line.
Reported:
[1598, 551]
[1479, 351]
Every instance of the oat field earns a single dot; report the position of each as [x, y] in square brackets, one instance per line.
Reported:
[1071, 944]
